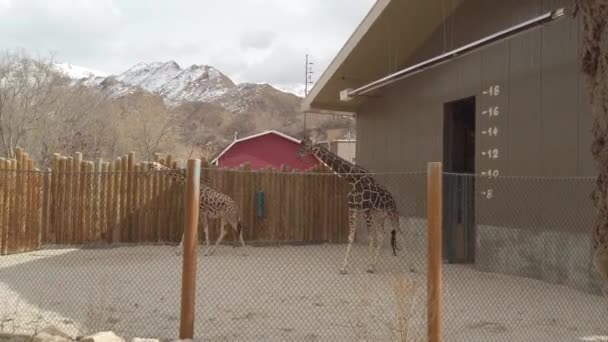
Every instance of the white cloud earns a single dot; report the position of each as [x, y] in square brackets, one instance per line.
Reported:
[249, 40]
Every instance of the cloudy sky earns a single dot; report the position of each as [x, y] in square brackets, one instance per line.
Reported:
[249, 40]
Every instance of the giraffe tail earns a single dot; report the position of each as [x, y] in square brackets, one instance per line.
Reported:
[394, 216]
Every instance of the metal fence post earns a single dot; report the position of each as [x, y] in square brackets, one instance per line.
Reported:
[434, 281]
[191, 209]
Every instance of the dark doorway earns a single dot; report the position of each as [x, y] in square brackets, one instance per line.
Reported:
[459, 181]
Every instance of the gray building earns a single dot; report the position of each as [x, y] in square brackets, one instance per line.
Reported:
[514, 113]
[344, 148]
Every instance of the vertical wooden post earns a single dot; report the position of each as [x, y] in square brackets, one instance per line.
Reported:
[135, 192]
[130, 196]
[97, 189]
[3, 191]
[77, 198]
[191, 211]
[83, 227]
[29, 208]
[69, 205]
[116, 210]
[12, 222]
[91, 216]
[54, 200]
[434, 279]
[146, 202]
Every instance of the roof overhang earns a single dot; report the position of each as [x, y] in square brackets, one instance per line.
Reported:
[382, 43]
[349, 94]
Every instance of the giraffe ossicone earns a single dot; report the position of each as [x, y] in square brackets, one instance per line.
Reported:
[212, 205]
[366, 197]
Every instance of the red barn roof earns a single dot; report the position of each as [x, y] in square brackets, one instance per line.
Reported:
[266, 149]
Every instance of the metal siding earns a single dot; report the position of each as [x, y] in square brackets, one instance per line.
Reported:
[559, 96]
[544, 123]
[586, 167]
[524, 105]
[494, 73]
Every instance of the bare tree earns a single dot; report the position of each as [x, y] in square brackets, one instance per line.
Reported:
[80, 121]
[28, 86]
[147, 125]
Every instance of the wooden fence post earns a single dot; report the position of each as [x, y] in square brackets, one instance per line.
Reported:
[4, 190]
[434, 285]
[191, 211]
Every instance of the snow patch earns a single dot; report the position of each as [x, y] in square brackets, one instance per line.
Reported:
[77, 72]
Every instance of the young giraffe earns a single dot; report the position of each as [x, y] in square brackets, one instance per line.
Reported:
[366, 197]
[213, 204]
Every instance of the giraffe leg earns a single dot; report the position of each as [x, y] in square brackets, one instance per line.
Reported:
[352, 222]
[178, 251]
[240, 230]
[371, 230]
[235, 223]
[222, 234]
[379, 236]
[205, 221]
[181, 244]
[202, 219]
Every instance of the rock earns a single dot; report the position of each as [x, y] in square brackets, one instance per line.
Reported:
[104, 336]
[51, 334]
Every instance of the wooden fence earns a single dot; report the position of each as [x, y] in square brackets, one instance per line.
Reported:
[20, 204]
[118, 201]
[82, 202]
[298, 207]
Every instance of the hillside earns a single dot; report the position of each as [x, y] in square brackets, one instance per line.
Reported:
[206, 106]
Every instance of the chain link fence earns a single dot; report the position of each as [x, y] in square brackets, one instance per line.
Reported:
[105, 255]
[294, 291]
[517, 264]
[519, 260]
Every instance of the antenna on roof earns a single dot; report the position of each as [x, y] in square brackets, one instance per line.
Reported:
[307, 81]
[236, 134]
[308, 74]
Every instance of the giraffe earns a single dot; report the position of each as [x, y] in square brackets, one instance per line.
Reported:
[366, 197]
[213, 204]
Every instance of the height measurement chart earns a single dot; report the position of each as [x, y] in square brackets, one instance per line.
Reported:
[490, 130]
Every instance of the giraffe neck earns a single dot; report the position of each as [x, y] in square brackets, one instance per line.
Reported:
[351, 172]
[178, 175]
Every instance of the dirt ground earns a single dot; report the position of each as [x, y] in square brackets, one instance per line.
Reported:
[283, 293]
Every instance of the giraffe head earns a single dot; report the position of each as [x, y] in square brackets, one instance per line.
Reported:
[157, 166]
[305, 147]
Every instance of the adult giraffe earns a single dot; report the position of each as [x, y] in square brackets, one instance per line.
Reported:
[366, 197]
[213, 204]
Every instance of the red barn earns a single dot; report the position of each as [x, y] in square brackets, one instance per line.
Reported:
[266, 149]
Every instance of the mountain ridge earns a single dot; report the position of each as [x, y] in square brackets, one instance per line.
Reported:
[208, 107]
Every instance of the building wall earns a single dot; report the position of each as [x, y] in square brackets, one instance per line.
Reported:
[544, 127]
[265, 151]
[344, 149]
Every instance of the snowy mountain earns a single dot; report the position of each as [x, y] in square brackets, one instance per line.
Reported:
[208, 106]
[200, 83]
[150, 76]
[197, 83]
[76, 72]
